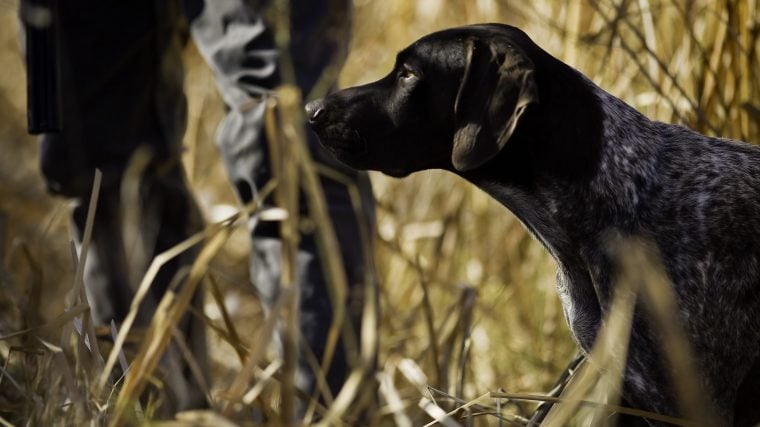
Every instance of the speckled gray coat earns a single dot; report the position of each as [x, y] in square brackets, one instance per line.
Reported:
[576, 165]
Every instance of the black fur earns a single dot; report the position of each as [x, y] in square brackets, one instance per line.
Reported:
[576, 164]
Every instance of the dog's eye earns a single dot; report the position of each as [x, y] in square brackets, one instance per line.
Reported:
[407, 74]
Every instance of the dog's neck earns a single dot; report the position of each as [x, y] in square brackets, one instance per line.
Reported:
[627, 170]
[572, 211]
[587, 168]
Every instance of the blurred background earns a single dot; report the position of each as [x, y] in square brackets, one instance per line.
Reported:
[465, 293]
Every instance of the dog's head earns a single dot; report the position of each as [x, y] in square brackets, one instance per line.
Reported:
[452, 101]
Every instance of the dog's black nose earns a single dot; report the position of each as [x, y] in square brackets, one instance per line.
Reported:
[315, 110]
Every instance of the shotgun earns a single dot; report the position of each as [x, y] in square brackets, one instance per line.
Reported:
[40, 20]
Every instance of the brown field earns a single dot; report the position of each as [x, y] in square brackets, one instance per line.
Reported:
[470, 324]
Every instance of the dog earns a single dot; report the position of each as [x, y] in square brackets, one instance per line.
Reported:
[575, 163]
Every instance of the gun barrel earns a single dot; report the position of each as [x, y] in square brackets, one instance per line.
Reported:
[43, 74]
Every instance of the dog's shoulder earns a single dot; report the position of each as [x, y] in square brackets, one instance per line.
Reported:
[715, 165]
[705, 207]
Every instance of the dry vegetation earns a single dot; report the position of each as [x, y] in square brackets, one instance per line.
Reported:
[469, 321]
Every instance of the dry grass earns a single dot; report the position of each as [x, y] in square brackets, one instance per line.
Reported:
[470, 330]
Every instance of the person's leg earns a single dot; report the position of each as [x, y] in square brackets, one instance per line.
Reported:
[239, 45]
[121, 88]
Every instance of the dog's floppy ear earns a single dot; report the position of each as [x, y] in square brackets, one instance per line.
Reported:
[497, 87]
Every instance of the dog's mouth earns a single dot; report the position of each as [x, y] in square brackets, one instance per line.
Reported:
[349, 147]
[346, 145]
